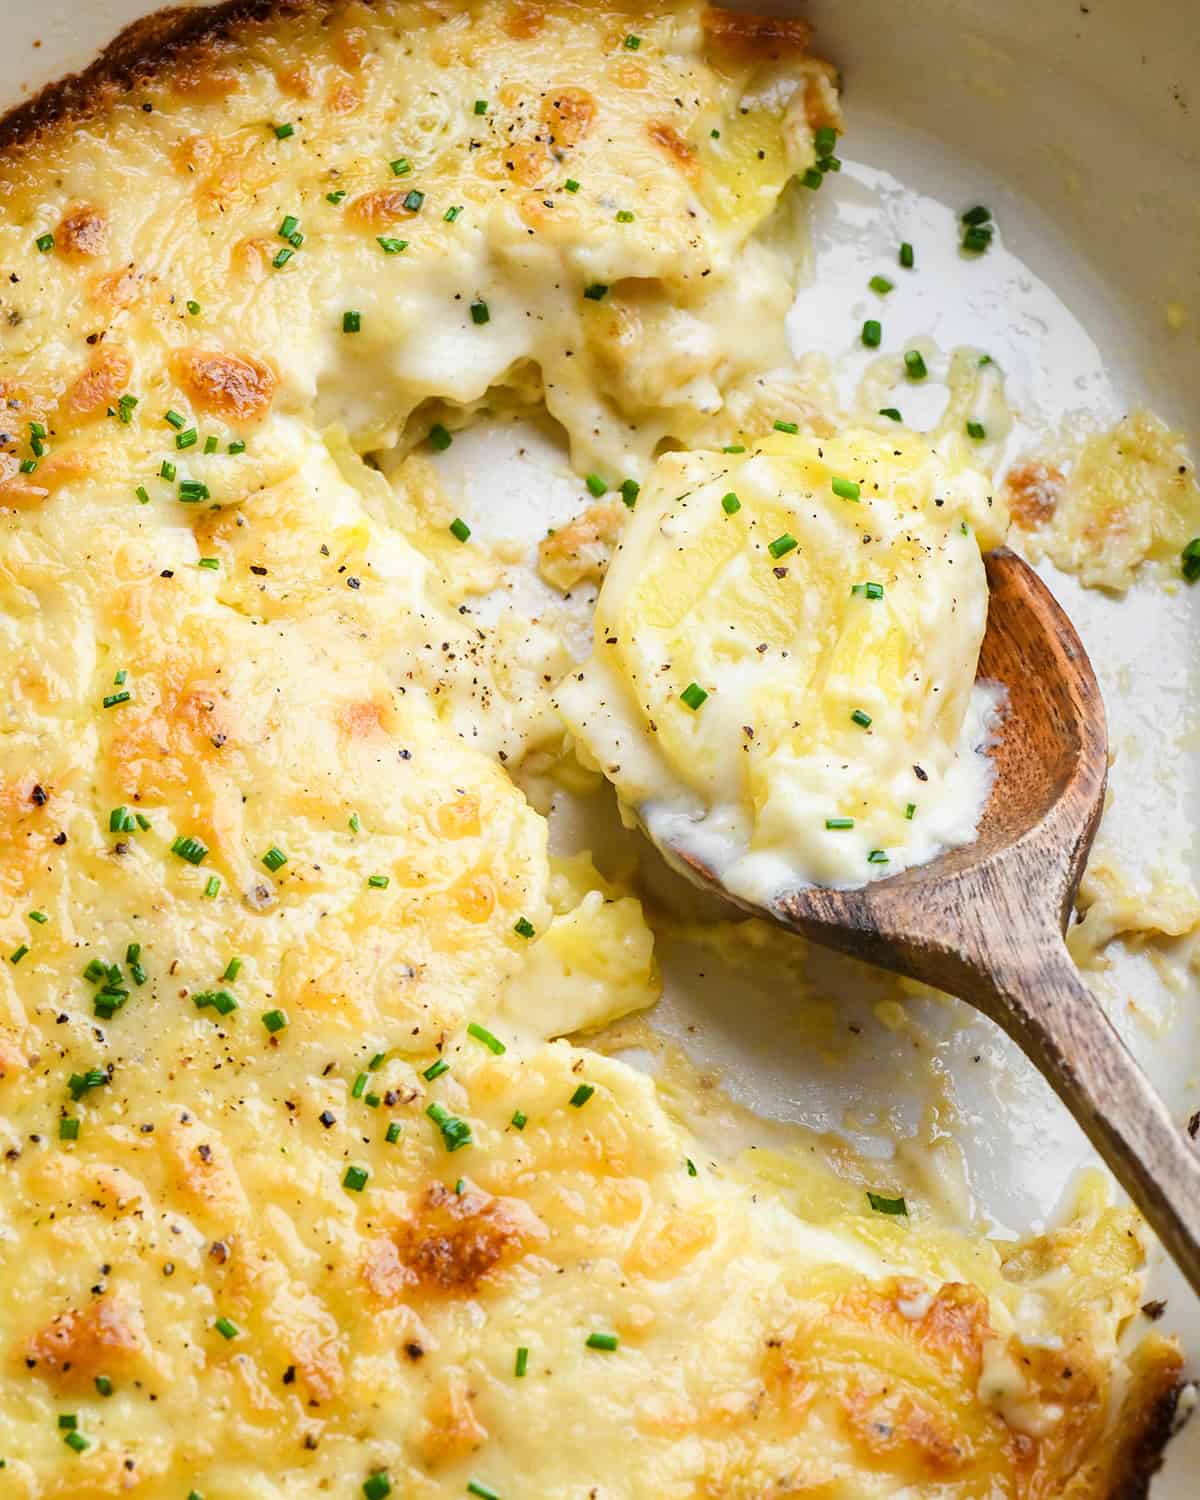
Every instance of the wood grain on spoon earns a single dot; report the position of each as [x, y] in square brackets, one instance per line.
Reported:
[985, 921]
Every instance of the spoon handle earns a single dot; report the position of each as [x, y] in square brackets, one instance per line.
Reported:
[1050, 1013]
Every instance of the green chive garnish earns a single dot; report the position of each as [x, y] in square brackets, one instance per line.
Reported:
[456, 1133]
[624, 216]
[212, 887]
[44, 242]
[892, 412]
[521, 1363]
[914, 364]
[439, 438]
[282, 132]
[630, 490]
[378, 882]
[18, 954]
[877, 857]
[187, 439]
[633, 42]
[38, 916]
[482, 1034]
[596, 485]
[274, 1020]
[274, 858]
[786, 426]
[606, 1341]
[484, 1491]
[335, 197]
[571, 185]
[693, 695]
[976, 430]
[226, 1328]
[378, 1486]
[479, 312]
[77, 1442]
[191, 849]
[459, 529]
[413, 201]
[881, 285]
[392, 1133]
[113, 700]
[730, 504]
[863, 720]
[910, 810]
[452, 213]
[872, 333]
[596, 292]
[581, 1095]
[355, 1179]
[401, 166]
[782, 545]
[523, 927]
[883, 1205]
[436, 1069]
[391, 246]
[977, 215]
[845, 489]
[282, 257]
[906, 255]
[839, 823]
[1189, 560]
[68, 1128]
[351, 322]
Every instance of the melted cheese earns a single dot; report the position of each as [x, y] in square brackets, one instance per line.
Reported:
[268, 892]
[782, 676]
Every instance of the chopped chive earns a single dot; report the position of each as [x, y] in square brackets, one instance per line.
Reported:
[288, 226]
[630, 490]
[377, 1061]
[456, 1133]
[479, 312]
[633, 42]
[977, 215]
[863, 720]
[1189, 560]
[824, 140]
[883, 1205]
[571, 185]
[436, 1069]
[351, 322]
[523, 927]
[378, 882]
[39, 917]
[914, 364]
[44, 242]
[372, 1101]
[282, 132]
[390, 245]
[67, 1421]
[212, 564]
[237, 446]
[596, 485]
[192, 491]
[439, 438]
[812, 178]
[29, 465]
[80, 1083]
[77, 1442]
[984, 359]
[378, 1486]
[482, 1034]
[606, 1341]
[167, 471]
[355, 1179]
[210, 443]
[359, 1086]
[114, 700]
[459, 529]
[881, 285]
[877, 857]
[976, 430]
[187, 439]
[282, 257]
[18, 954]
[116, 819]
[977, 238]
[212, 886]
[782, 545]
[104, 1385]
[401, 166]
[484, 1491]
[413, 201]
[691, 1167]
[521, 1363]
[125, 404]
[596, 292]
[867, 590]
[872, 333]
[481, 106]
[95, 971]
[274, 1020]
[68, 1128]
[906, 255]
[624, 216]
[910, 810]
[734, 448]
[892, 412]
[335, 197]
[786, 426]
[837, 824]
[693, 696]
[452, 213]
[581, 1095]
[353, 823]
[274, 858]
[845, 489]
[226, 1328]
[964, 528]
[519, 1119]
[730, 504]
[392, 1133]
[191, 849]
[173, 419]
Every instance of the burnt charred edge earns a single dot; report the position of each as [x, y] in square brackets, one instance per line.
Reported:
[1146, 1451]
[137, 56]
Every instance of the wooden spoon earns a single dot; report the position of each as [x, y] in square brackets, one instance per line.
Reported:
[985, 922]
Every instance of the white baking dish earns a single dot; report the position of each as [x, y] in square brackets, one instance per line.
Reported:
[1079, 124]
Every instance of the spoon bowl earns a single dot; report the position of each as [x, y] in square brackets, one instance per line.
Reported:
[985, 921]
